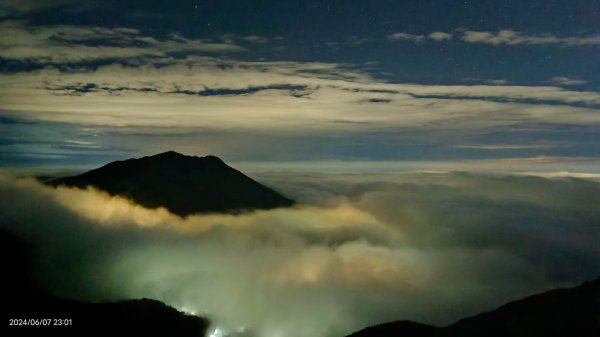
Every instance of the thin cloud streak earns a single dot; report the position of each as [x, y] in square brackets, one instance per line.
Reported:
[506, 37]
[68, 44]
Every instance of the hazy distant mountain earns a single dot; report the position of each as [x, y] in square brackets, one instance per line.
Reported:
[183, 184]
[557, 313]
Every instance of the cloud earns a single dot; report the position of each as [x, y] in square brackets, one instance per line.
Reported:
[563, 80]
[502, 37]
[406, 37]
[353, 41]
[69, 44]
[543, 159]
[291, 110]
[504, 146]
[511, 37]
[288, 106]
[434, 36]
[496, 82]
[440, 36]
[79, 89]
[266, 95]
[254, 39]
[361, 250]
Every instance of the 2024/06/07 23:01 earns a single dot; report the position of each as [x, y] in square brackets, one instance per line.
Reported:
[40, 321]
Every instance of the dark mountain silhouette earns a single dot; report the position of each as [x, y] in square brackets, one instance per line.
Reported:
[23, 298]
[183, 184]
[562, 312]
[400, 328]
[556, 313]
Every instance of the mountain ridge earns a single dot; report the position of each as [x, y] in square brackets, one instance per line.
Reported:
[562, 312]
[26, 303]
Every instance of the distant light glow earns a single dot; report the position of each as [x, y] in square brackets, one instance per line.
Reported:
[217, 332]
[187, 311]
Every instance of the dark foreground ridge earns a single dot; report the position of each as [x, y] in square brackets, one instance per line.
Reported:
[556, 313]
[24, 303]
[183, 184]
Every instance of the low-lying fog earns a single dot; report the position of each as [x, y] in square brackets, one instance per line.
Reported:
[359, 250]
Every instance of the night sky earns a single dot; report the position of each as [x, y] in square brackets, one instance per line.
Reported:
[497, 83]
[444, 156]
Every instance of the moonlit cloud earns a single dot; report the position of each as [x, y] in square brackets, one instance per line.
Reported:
[511, 37]
[440, 36]
[358, 250]
[200, 92]
[126, 80]
[563, 80]
[64, 44]
[502, 37]
[504, 146]
[231, 107]
[406, 37]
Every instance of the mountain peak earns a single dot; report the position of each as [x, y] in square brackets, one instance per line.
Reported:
[183, 184]
[173, 155]
[168, 154]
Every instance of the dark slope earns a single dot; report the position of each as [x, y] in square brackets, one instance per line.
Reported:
[556, 313]
[183, 184]
[562, 312]
[142, 317]
[22, 298]
[400, 328]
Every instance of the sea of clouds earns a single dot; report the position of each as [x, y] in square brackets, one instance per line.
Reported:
[358, 249]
